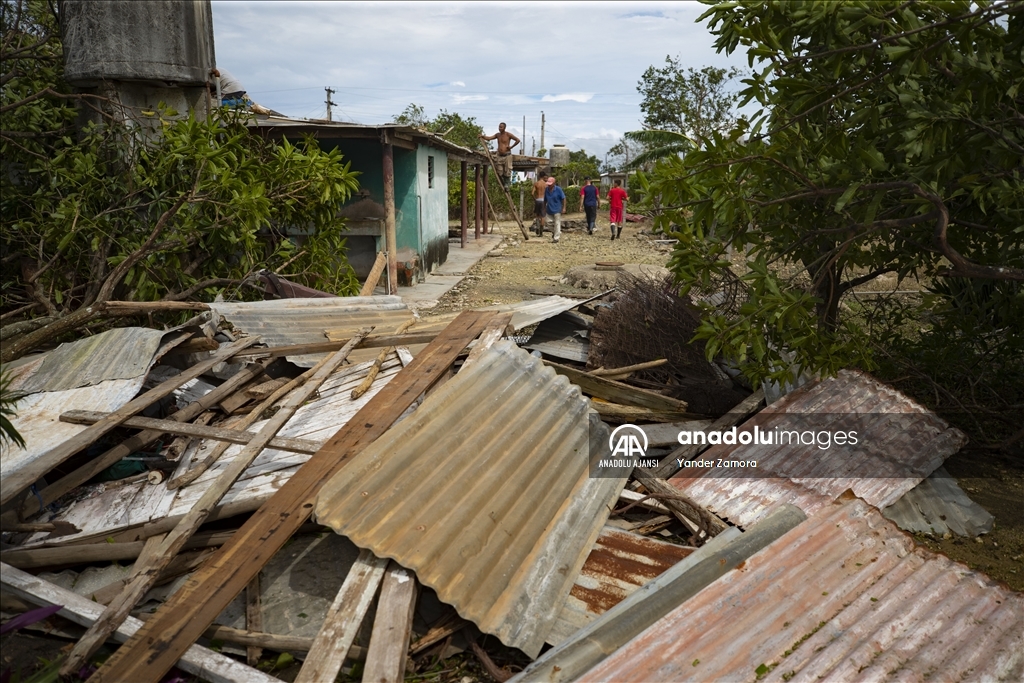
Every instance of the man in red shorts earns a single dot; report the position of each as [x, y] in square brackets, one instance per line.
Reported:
[617, 198]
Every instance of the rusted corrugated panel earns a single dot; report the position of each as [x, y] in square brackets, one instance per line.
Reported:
[843, 596]
[899, 444]
[619, 563]
[121, 353]
[484, 492]
[283, 322]
[937, 506]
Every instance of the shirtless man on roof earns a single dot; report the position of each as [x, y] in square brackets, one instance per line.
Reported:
[503, 162]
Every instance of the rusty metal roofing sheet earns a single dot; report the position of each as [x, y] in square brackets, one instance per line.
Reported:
[843, 596]
[899, 444]
[484, 492]
[619, 563]
[121, 353]
[283, 322]
[938, 505]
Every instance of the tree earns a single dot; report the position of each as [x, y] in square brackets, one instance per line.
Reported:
[620, 156]
[889, 140]
[695, 103]
[101, 214]
[656, 144]
[581, 165]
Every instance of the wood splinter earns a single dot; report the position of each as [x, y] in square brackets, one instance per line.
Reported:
[367, 382]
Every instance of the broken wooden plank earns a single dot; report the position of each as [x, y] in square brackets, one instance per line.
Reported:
[35, 558]
[237, 436]
[17, 482]
[374, 341]
[500, 326]
[375, 272]
[146, 572]
[196, 660]
[139, 441]
[617, 392]
[616, 412]
[344, 617]
[367, 382]
[448, 625]
[182, 564]
[744, 409]
[263, 390]
[389, 640]
[152, 651]
[253, 619]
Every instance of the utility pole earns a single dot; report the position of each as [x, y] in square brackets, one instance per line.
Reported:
[328, 102]
[542, 130]
[522, 149]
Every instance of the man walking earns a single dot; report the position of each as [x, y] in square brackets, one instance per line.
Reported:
[617, 198]
[503, 162]
[538, 202]
[591, 199]
[554, 201]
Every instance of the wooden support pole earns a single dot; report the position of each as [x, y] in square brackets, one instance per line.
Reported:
[154, 648]
[374, 341]
[465, 203]
[253, 619]
[147, 572]
[478, 198]
[374, 277]
[390, 230]
[18, 481]
[511, 207]
[487, 201]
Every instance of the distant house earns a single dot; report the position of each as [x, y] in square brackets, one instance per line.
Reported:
[418, 189]
[607, 179]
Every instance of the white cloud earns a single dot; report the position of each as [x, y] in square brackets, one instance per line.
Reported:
[569, 97]
[458, 83]
[461, 99]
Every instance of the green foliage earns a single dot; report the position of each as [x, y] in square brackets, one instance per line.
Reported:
[692, 102]
[656, 144]
[581, 166]
[107, 212]
[889, 140]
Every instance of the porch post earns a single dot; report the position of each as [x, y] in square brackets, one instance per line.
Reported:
[390, 232]
[465, 203]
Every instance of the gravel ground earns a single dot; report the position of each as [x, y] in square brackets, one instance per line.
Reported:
[520, 270]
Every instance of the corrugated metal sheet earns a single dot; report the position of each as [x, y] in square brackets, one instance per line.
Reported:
[619, 563]
[563, 336]
[484, 492]
[121, 353]
[526, 313]
[900, 444]
[283, 322]
[117, 509]
[938, 505]
[843, 596]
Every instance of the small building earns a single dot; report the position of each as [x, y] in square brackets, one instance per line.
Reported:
[608, 179]
[414, 190]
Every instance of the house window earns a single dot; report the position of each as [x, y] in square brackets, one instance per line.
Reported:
[430, 171]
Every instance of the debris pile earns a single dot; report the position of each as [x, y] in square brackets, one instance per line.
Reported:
[336, 485]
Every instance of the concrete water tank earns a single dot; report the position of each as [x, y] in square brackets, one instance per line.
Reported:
[559, 156]
[165, 41]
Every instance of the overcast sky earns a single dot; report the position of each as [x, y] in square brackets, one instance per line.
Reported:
[578, 62]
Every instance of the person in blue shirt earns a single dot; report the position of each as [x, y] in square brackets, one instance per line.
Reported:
[591, 200]
[554, 201]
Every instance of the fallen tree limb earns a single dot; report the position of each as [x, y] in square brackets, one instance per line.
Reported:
[681, 505]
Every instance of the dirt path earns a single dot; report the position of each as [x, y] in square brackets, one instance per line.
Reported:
[520, 270]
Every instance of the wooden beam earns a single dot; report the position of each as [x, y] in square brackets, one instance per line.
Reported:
[18, 481]
[478, 196]
[374, 277]
[374, 341]
[465, 203]
[253, 619]
[614, 373]
[389, 641]
[390, 231]
[195, 430]
[486, 201]
[35, 558]
[147, 570]
[617, 392]
[616, 412]
[344, 617]
[196, 660]
[153, 650]
[744, 409]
